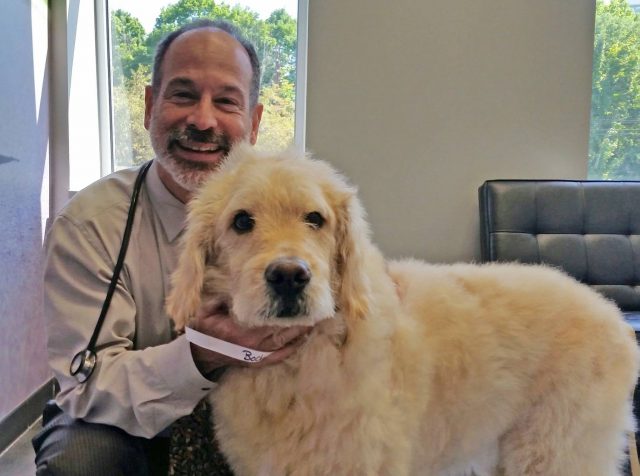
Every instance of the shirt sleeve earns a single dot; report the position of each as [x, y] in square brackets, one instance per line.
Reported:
[140, 391]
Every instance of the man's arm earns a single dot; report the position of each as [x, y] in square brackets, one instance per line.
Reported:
[140, 391]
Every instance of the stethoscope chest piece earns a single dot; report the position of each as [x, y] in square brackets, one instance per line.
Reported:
[83, 364]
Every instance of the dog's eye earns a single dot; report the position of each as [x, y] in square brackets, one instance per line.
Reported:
[314, 219]
[242, 222]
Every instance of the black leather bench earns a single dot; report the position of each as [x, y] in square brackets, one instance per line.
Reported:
[591, 229]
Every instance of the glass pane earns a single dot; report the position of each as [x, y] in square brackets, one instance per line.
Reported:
[137, 27]
[614, 143]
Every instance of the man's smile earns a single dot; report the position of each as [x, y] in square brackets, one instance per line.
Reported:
[196, 151]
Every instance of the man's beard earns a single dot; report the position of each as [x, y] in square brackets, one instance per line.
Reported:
[189, 175]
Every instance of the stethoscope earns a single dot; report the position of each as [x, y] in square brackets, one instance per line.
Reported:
[84, 362]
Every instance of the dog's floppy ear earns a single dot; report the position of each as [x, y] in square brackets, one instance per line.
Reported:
[353, 242]
[188, 279]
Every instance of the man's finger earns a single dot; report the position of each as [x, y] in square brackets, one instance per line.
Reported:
[289, 334]
[280, 337]
[282, 353]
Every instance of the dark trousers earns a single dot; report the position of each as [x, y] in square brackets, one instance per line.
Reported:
[70, 447]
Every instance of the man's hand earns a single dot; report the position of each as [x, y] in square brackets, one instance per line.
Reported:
[282, 342]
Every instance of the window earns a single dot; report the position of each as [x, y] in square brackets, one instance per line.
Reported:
[614, 143]
[137, 27]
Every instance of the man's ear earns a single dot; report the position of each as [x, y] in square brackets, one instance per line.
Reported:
[148, 105]
[256, 117]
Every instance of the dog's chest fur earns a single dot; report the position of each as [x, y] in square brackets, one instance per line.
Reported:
[310, 415]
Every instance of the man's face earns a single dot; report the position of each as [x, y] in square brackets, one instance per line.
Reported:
[201, 108]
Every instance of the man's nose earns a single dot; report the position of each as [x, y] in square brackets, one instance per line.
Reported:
[203, 116]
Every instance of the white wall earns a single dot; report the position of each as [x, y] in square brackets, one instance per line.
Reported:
[419, 102]
[24, 194]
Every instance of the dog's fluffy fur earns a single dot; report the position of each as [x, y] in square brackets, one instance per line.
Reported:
[411, 369]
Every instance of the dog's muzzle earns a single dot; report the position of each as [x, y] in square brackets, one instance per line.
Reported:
[287, 278]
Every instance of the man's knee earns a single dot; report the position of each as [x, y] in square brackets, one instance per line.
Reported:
[69, 447]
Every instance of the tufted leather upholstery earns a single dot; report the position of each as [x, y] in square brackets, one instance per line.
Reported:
[591, 229]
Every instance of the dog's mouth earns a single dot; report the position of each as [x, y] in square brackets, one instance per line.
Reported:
[286, 307]
[282, 293]
[276, 308]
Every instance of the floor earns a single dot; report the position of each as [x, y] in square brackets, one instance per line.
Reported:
[17, 460]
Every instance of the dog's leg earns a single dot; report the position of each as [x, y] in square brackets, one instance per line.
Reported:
[558, 442]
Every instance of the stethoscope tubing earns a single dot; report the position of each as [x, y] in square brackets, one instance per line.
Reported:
[84, 362]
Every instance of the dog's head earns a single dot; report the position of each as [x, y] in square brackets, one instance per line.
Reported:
[277, 239]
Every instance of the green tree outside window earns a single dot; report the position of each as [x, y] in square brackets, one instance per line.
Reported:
[614, 144]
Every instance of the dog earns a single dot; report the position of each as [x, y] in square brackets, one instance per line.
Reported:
[411, 368]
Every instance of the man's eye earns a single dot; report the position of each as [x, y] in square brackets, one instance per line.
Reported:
[228, 103]
[183, 95]
[315, 219]
[242, 222]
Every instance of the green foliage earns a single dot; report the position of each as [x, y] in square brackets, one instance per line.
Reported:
[184, 11]
[614, 144]
[129, 43]
[278, 118]
[132, 144]
[281, 64]
[275, 41]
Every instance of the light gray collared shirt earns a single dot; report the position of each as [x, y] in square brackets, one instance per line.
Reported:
[144, 381]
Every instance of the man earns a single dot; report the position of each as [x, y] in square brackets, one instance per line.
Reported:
[203, 99]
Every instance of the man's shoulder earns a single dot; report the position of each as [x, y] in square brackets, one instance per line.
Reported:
[106, 197]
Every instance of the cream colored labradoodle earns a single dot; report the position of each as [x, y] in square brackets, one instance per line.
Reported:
[411, 369]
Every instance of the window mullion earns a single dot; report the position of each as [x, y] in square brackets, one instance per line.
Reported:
[103, 70]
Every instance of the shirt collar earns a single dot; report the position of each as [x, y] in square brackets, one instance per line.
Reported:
[171, 211]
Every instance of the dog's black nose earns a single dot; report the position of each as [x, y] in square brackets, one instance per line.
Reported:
[287, 276]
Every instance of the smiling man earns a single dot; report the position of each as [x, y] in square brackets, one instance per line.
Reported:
[202, 100]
